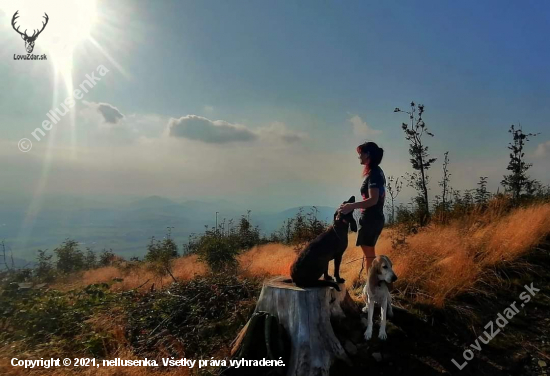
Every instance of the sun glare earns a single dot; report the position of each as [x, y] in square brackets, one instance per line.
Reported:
[74, 21]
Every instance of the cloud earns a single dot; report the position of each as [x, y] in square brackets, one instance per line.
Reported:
[99, 118]
[543, 149]
[96, 128]
[361, 128]
[199, 128]
[278, 130]
[110, 113]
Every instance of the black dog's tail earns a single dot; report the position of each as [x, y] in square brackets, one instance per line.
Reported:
[319, 283]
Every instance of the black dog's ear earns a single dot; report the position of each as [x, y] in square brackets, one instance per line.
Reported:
[351, 200]
[353, 225]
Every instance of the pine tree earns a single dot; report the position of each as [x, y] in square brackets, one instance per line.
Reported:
[518, 181]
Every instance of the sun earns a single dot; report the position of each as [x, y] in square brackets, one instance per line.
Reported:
[71, 23]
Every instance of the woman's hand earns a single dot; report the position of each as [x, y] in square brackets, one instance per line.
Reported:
[346, 208]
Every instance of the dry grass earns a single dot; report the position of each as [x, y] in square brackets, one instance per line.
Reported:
[267, 260]
[183, 268]
[446, 260]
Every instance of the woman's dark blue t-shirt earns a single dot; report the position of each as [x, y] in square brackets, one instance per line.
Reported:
[375, 179]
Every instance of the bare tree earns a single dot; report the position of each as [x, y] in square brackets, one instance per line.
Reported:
[444, 184]
[394, 187]
[4, 256]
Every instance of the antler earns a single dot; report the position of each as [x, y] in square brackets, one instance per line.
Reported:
[15, 16]
[43, 26]
[35, 33]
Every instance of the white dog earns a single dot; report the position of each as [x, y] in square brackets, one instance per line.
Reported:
[376, 291]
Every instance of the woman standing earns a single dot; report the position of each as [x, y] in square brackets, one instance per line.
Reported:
[373, 191]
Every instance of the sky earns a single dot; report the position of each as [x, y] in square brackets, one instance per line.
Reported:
[263, 103]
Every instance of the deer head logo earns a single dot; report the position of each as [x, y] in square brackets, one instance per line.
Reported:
[29, 41]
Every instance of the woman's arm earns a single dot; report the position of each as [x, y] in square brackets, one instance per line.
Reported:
[371, 201]
[375, 182]
[367, 203]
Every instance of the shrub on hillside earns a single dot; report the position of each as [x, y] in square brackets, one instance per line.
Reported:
[44, 271]
[160, 254]
[246, 236]
[106, 257]
[299, 230]
[90, 259]
[69, 257]
[217, 251]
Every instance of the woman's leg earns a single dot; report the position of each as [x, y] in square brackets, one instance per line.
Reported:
[369, 255]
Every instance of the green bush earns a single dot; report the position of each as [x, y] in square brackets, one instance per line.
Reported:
[217, 251]
[246, 235]
[300, 230]
[69, 257]
[160, 254]
[90, 259]
[106, 257]
[44, 271]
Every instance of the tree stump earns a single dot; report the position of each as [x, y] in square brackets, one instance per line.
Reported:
[305, 314]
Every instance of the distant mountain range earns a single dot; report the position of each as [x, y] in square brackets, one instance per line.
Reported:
[125, 227]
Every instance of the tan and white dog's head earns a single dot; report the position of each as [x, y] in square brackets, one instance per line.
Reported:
[381, 270]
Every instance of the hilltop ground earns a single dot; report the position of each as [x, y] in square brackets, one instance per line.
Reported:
[453, 279]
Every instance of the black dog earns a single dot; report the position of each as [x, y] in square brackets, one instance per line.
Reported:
[312, 261]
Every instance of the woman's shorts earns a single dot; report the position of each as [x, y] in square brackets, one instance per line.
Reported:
[369, 230]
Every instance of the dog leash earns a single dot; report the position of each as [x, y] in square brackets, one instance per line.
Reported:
[339, 238]
[360, 258]
[354, 260]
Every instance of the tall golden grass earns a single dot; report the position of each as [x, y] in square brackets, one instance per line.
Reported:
[266, 260]
[140, 276]
[446, 260]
